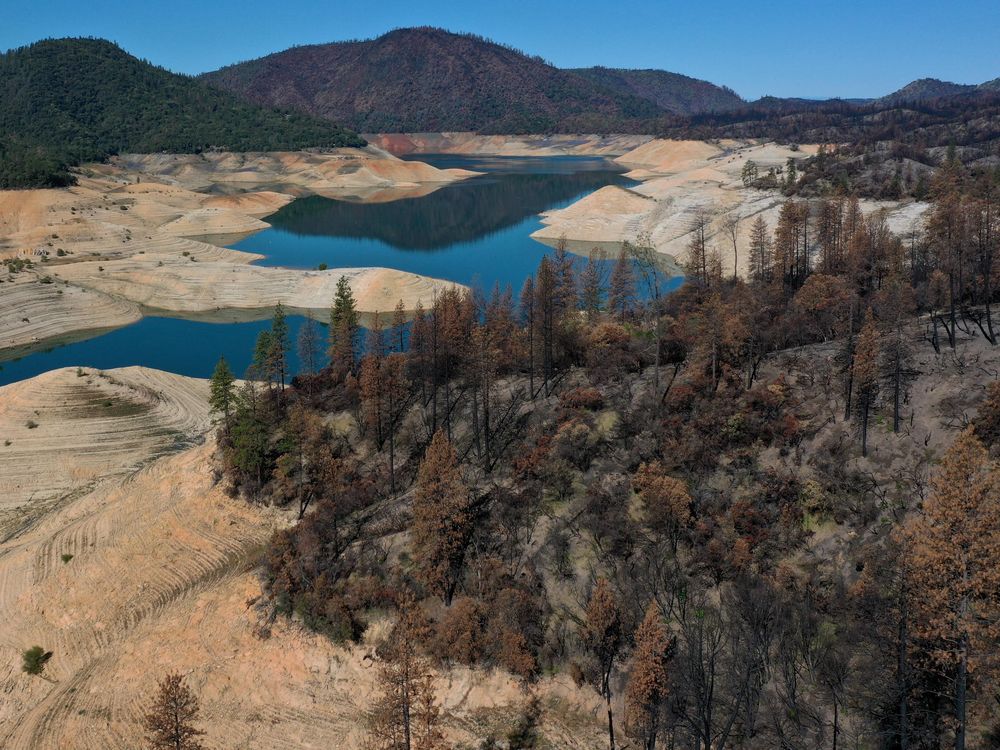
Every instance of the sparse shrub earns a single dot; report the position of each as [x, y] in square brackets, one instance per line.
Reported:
[33, 660]
[31, 424]
[66, 557]
[582, 398]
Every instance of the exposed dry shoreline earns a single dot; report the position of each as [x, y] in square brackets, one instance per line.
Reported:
[121, 555]
[143, 232]
[678, 180]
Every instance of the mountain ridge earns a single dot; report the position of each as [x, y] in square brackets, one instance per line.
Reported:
[430, 80]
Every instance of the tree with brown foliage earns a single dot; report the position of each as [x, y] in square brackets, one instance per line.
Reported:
[665, 500]
[405, 714]
[442, 519]
[954, 545]
[170, 721]
[647, 686]
[602, 636]
[988, 421]
[546, 304]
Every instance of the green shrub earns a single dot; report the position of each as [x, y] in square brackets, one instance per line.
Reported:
[34, 659]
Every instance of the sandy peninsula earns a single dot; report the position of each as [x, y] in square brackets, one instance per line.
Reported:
[677, 181]
[145, 231]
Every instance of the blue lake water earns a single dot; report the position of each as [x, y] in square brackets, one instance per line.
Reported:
[474, 232]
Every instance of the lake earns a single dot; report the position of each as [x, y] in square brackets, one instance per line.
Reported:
[475, 232]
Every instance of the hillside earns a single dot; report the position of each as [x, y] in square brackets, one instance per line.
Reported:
[425, 79]
[922, 90]
[66, 101]
[673, 92]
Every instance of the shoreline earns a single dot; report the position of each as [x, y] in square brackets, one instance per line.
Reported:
[145, 231]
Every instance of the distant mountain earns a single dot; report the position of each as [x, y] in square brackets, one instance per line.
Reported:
[673, 92]
[427, 79]
[924, 89]
[65, 101]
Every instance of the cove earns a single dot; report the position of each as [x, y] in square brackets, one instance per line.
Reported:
[475, 232]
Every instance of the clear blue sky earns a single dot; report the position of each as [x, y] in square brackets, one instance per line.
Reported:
[783, 47]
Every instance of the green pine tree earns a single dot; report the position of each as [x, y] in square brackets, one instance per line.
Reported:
[222, 391]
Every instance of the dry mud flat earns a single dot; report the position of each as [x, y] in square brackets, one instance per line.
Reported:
[136, 564]
[132, 233]
[680, 179]
[473, 144]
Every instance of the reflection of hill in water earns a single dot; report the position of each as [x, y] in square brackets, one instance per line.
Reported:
[458, 213]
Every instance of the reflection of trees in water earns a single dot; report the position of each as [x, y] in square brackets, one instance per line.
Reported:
[457, 213]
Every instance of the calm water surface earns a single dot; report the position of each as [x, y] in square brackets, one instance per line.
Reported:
[474, 232]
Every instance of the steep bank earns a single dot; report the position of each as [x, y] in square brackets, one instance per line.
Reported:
[126, 574]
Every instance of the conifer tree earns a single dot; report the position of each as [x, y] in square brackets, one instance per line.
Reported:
[405, 713]
[309, 346]
[697, 264]
[222, 391]
[988, 420]
[866, 374]
[170, 721]
[528, 320]
[592, 285]
[954, 545]
[647, 686]
[547, 310]
[621, 294]
[398, 333]
[279, 344]
[343, 328]
[442, 519]
[760, 251]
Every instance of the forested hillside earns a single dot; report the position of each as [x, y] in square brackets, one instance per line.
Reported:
[748, 514]
[672, 92]
[429, 80]
[65, 101]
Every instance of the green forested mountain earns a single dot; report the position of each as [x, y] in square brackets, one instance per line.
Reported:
[673, 92]
[65, 101]
[427, 79]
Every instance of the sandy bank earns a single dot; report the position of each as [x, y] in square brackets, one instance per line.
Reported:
[189, 287]
[679, 180]
[64, 430]
[473, 144]
[125, 236]
[342, 169]
[125, 575]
